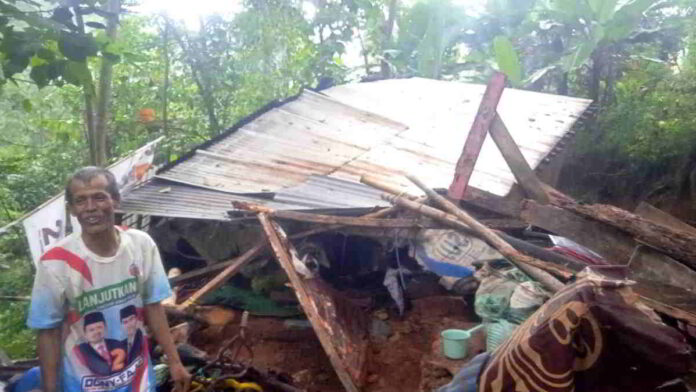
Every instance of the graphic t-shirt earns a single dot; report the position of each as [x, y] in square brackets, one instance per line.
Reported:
[98, 302]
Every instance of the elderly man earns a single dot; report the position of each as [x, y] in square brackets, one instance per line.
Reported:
[103, 269]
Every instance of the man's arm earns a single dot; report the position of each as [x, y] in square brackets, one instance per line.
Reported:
[49, 357]
[157, 321]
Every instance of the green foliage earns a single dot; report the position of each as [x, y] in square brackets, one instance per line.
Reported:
[53, 49]
[506, 57]
[16, 276]
[652, 121]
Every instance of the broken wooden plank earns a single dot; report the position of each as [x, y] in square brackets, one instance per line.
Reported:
[652, 265]
[613, 244]
[677, 313]
[656, 215]
[670, 300]
[477, 135]
[525, 176]
[677, 243]
[282, 252]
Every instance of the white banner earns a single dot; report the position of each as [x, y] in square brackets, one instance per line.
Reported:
[46, 225]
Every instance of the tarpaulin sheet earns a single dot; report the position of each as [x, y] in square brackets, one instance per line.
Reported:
[592, 336]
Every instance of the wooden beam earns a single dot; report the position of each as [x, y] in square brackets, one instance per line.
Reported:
[676, 243]
[525, 176]
[282, 252]
[656, 215]
[477, 135]
[614, 245]
[491, 202]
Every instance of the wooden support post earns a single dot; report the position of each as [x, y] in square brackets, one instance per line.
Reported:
[477, 135]
[282, 253]
[525, 176]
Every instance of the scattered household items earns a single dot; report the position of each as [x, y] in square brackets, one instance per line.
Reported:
[593, 335]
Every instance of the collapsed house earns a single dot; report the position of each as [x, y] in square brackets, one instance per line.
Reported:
[379, 294]
[343, 188]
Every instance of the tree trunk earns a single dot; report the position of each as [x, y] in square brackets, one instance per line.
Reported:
[563, 84]
[104, 93]
[387, 31]
[595, 76]
[165, 90]
[88, 92]
[194, 63]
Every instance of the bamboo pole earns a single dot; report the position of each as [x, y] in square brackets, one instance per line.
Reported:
[536, 269]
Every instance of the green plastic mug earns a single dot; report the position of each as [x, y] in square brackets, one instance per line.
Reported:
[455, 342]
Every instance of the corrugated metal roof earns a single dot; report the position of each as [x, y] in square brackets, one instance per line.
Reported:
[439, 115]
[281, 148]
[295, 152]
[325, 192]
[170, 199]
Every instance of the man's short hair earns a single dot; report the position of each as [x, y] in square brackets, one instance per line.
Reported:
[127, 311]
[94, 317]
[86, 174]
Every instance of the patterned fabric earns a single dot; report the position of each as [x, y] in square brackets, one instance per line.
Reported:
[591, 336]
[98, 302]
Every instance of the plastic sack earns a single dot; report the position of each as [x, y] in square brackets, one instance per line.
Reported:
[451, 253]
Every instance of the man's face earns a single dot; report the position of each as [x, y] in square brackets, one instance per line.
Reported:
[95, 332]
[130, 323]
[92, 205]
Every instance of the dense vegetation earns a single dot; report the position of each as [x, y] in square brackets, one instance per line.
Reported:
[86, 81]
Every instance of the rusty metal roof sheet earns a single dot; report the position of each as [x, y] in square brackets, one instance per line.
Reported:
[170, 199]
[319, 193]
[295, 152]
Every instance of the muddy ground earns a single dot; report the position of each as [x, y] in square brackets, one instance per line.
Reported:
[405, 353]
